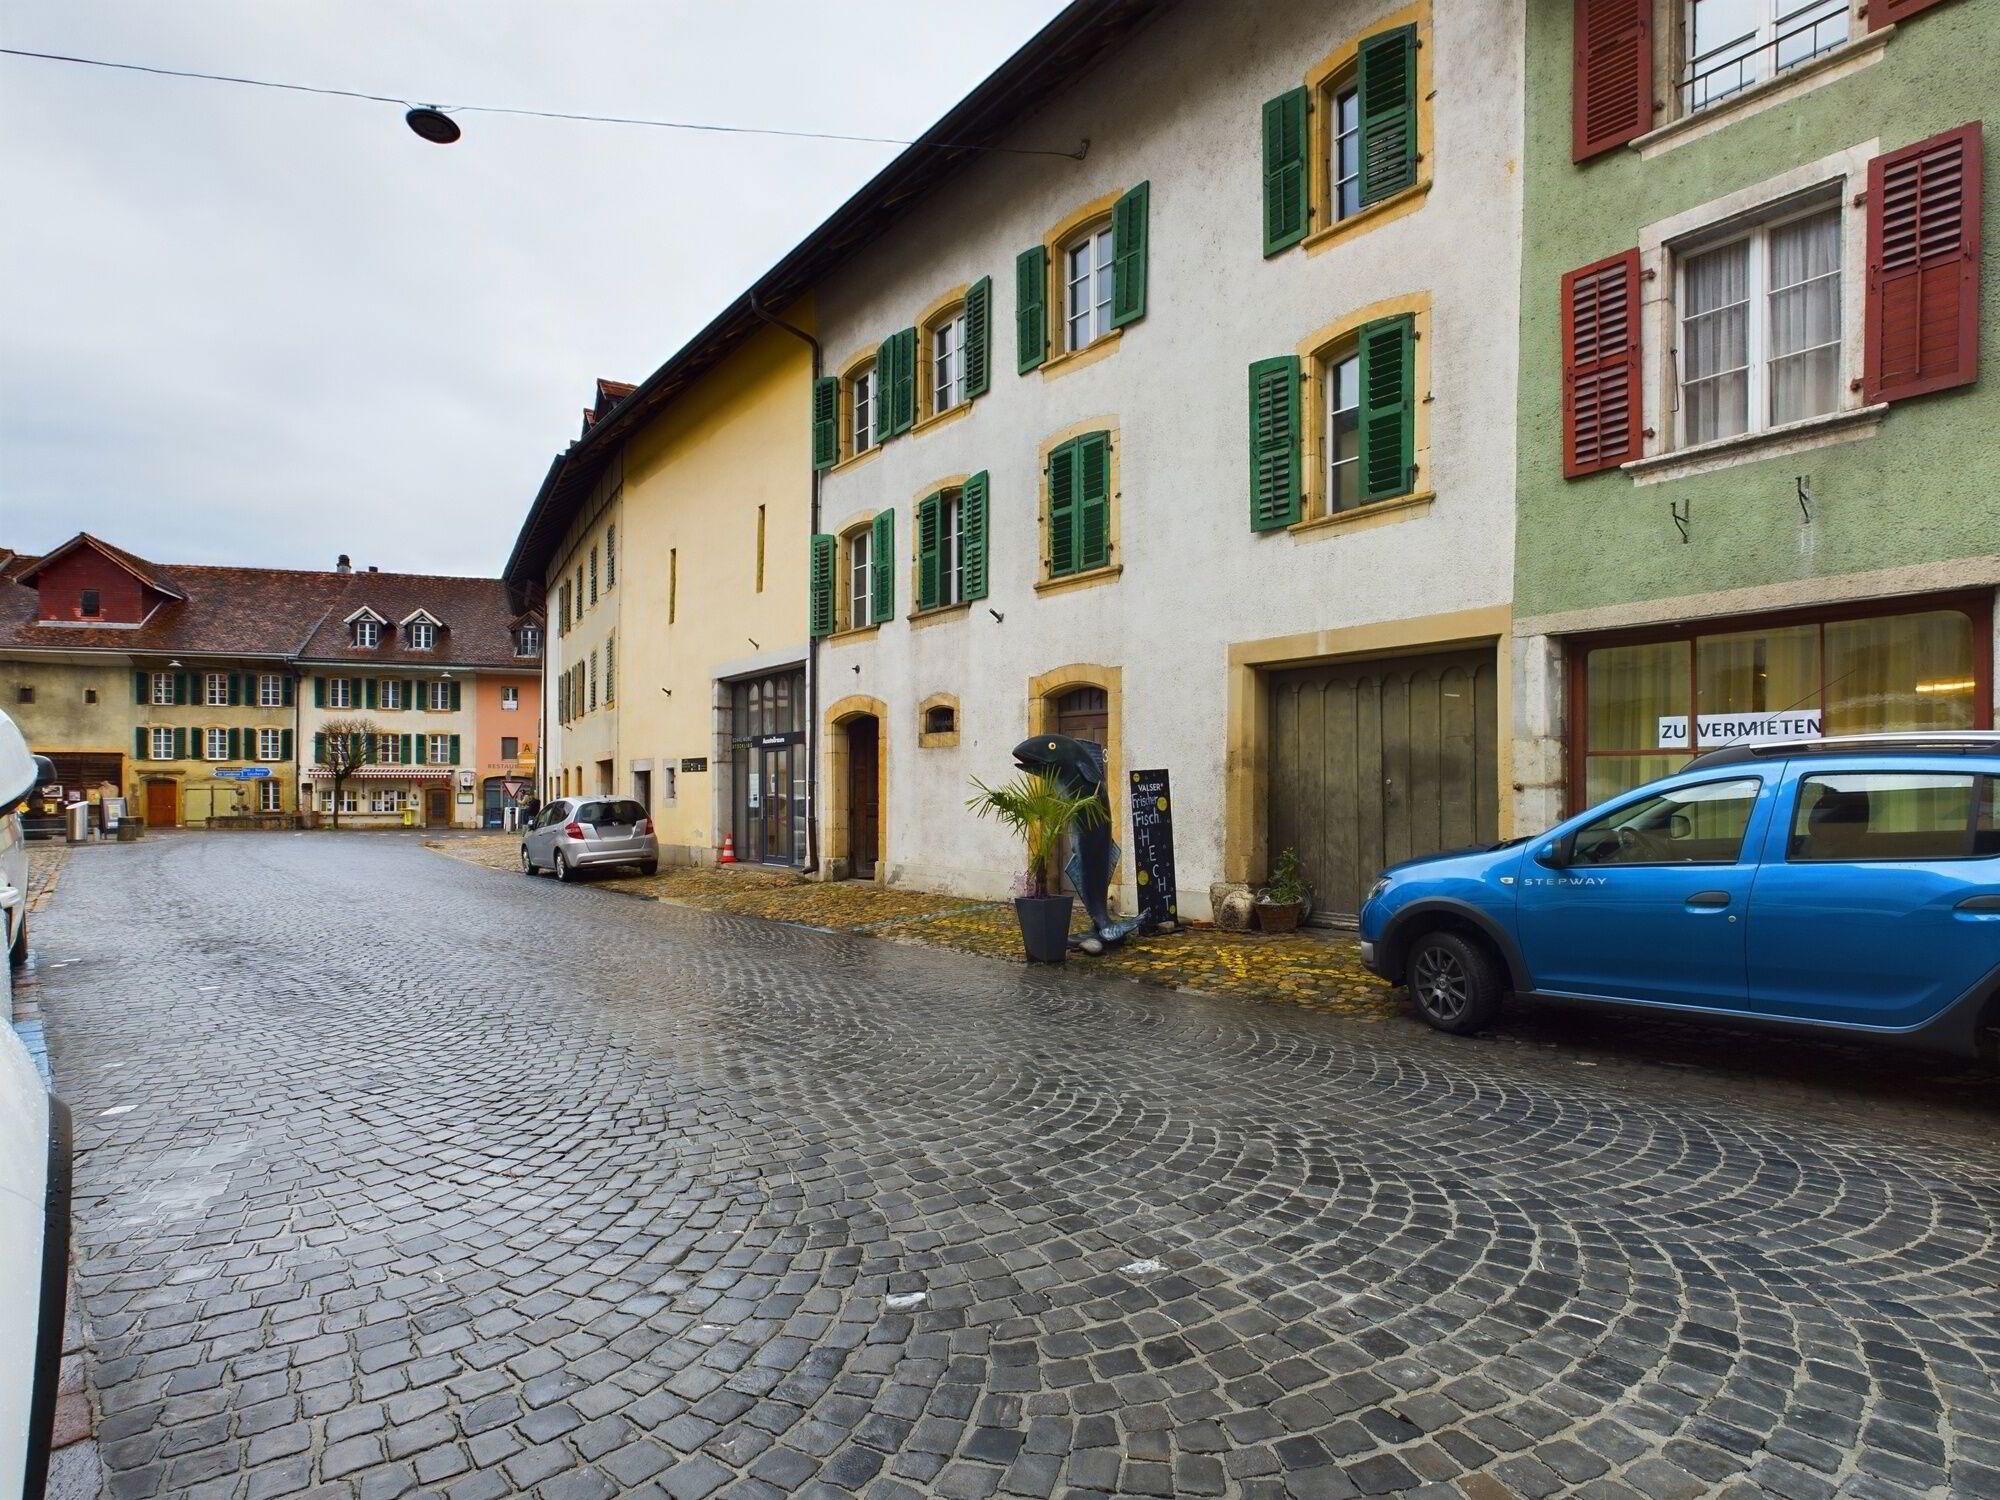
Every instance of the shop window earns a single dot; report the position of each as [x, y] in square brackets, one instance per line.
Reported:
[1649, 705]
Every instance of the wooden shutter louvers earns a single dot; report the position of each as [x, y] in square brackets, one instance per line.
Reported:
[1922, 315]
[1600, 349]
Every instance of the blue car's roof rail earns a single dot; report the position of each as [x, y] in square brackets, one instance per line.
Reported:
[1936, 742]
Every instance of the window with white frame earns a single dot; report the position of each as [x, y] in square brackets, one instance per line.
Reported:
[1732, 45]
[510, 698]
[163, 744]
[367, 632]
[1343, 161]
[861, 395]
[270, 744]
[390, 694]
[1087, 278]
[439, 695]
[951, 547]
[386, 799]
[163, 687]
[215, 744]
[1760, 326]
[215, 689]
[270, 795]
[389, 749]
[528, 640]
[440, 748]
[340, 692]
[1340, 399]
[948, 362]
[350, 799]
[270, 690]
[860, 597]
[423, 635]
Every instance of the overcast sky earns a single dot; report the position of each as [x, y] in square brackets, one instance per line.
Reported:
[243, 326]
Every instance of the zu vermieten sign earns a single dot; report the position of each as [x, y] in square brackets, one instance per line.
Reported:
[1725, 729]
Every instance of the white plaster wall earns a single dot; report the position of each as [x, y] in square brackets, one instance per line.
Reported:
[1181, 108]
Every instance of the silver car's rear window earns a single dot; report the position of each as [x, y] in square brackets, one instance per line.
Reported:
[601, 813]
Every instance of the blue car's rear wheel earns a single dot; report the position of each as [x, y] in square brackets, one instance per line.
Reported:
[1455, 982]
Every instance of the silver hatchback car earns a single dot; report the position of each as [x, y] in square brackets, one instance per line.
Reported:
[573, 834]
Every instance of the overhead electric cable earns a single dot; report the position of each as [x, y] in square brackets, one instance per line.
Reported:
[540, 114]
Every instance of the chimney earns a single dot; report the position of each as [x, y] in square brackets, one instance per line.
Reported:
[373, 569]
[344, 564]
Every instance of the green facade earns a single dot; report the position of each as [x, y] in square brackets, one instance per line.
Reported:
[1924, 489]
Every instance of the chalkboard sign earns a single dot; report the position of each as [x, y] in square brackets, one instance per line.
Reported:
[1153, 848]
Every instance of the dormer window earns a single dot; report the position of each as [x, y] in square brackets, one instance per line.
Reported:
[367, 633]
[422, 635]
[528, 640]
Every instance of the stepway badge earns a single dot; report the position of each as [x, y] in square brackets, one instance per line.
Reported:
[1729, 729]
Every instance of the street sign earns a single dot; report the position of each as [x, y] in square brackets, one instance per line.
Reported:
[512, 787]
[243, 773]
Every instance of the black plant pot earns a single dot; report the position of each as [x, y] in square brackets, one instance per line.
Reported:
[1044, 926]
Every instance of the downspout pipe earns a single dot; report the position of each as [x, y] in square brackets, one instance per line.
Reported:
[812, 641]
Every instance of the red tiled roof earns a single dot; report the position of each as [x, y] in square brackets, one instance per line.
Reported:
[138, 567]
[282, 612]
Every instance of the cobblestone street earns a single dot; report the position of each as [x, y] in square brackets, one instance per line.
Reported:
[401, 1176]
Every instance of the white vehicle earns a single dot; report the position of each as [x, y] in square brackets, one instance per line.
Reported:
[34, 1181]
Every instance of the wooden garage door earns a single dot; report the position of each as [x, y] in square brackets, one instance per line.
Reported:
[1378, 761]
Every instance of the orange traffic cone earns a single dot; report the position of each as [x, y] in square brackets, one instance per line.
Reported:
[728, 856]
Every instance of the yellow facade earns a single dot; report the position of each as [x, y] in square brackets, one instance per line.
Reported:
[712, 502]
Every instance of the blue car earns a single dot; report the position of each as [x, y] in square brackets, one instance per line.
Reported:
[1841, 886]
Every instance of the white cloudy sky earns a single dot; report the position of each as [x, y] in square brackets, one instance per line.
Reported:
[255, 327]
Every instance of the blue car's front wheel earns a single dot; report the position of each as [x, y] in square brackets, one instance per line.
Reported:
[1454, 981]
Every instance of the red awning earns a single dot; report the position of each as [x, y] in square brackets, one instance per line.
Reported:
[384, 773]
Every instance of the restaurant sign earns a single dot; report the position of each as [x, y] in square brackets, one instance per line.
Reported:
[1729, 729]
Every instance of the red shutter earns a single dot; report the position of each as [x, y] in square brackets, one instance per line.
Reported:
[1922, 319]
[1600, 342]
[1611, 90]
[1887, 12]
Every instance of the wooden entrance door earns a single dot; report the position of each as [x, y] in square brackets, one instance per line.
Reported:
[438, 807]
[1082, 713]
[864, 796]
[163, 804]
[1378, 761]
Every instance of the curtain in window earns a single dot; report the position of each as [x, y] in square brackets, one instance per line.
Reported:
[1715, 343]
[1805, 317]
[1907, 672]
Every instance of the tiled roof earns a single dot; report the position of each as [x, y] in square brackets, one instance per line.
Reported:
[138, 567]
[283, 612]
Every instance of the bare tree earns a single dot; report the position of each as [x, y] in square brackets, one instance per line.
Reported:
[346, 745]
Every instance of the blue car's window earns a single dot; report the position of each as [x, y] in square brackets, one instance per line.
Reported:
[1699, 824]
[1847, 816]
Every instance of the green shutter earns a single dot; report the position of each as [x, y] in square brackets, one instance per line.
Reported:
[1128, 257]
[285, 689]
[183, 691]
[885, 386]
[972, 537]
[1031, 307]
[234, 743]
[140, 748]
[1387, 103]
[979, 338]
[882, 567]
[180, 744]
[1093, 500]
[819, 586]
[235, 689]
[930, 524]
[284, 744]
[454, 749]
[139, 686]
[319, 692]
[904, 395]
[369, 693]
[1388, 407]
[455, 690]
[1286, 198]
[826, 421]
[354, 692]
[319, 749]
[1274, 442]
[1062, 510]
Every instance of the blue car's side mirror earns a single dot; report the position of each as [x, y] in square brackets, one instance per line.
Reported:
[1550, 855]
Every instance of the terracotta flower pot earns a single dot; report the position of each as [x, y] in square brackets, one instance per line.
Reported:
[1280, 916]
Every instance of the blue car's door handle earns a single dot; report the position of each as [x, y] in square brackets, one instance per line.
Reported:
[1980, 904]
[1708, 900]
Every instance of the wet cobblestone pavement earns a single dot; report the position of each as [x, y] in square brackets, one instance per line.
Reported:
[399, 1178]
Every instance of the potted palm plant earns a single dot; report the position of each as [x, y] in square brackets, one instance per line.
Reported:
[1284, 899]
[1035, 806]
